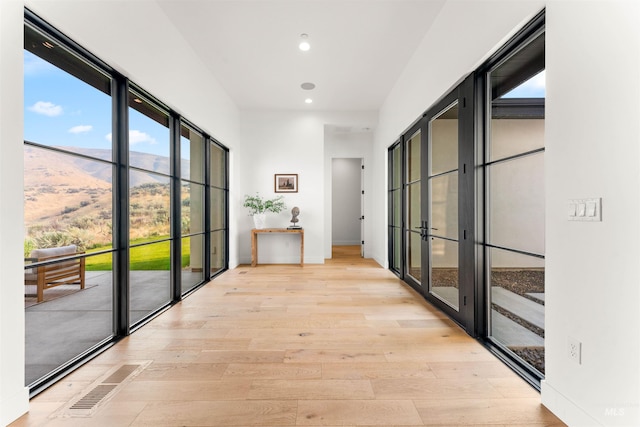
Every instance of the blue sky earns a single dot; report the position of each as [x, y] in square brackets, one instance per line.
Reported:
[535, 87]
[62, 110]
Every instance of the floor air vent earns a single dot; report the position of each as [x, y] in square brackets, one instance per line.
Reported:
[100, 391]
[93, 398]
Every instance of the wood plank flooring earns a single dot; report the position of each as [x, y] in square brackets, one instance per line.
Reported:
[340, 344]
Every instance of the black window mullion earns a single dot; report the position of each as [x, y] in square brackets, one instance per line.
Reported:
[206, 265]
[175, 206]
[120, 146]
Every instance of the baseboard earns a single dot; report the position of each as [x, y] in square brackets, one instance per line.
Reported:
[565, 409]
[14, 407]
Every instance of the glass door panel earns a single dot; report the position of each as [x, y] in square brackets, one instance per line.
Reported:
[414, 207]
[414, 257]
[444, 270]
[442, 206]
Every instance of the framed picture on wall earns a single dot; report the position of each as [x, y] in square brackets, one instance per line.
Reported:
[286, 183]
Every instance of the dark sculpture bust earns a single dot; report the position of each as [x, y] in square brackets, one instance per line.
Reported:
[294, 217]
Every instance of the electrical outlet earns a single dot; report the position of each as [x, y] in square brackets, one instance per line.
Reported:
[574, 349]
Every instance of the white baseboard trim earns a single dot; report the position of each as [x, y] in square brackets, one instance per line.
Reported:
[14, 407]
[565, 409]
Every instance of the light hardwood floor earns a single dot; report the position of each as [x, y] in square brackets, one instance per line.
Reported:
[340, 344]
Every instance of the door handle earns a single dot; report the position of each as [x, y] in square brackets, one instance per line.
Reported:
[423, 230]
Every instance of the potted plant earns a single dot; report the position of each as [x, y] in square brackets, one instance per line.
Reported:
[258, 207]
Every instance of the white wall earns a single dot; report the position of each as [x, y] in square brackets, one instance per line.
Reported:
[346, 187]
[592, 150]
[14, 396]
[288, 142]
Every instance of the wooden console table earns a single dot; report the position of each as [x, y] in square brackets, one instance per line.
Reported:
[254, 241]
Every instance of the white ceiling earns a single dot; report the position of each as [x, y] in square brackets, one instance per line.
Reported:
[358, 48]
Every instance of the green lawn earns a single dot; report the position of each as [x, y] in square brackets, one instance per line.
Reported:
[147, 257]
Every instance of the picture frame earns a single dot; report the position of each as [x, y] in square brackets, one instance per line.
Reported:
[286, 183]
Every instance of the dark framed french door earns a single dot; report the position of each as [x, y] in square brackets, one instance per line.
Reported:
[472, 203]
[439, 184]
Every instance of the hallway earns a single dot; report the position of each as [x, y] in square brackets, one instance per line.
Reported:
[340, 344]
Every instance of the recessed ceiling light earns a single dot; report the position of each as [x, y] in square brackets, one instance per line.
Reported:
[304, 42]
[137, 100]
[308, 101]
[47, 44]
[308, 86]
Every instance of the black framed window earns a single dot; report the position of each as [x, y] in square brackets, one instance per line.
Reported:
[118, 202]
[218, 208]
[513, 166]
[395, 208]
[482, 205]
[192, 190]
[150, 194]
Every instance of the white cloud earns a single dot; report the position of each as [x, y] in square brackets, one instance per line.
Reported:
[81, 129]
[136, 137]
[47, 108]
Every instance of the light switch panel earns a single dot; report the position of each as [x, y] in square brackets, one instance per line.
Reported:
[585, 209]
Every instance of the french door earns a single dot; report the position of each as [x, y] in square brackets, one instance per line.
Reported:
[439, 255]
[472, 203]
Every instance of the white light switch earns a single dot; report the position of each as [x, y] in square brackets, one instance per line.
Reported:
[585, 209]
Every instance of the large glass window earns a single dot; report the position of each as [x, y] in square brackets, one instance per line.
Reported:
[192, 164]
[123, 200]
[68, 198]
[217, 207]
[395, 208]
[150, 207]
[514, 177]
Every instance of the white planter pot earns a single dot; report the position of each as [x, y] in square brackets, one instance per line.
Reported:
[259, 220]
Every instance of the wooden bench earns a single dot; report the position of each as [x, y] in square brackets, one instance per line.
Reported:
[47, 276]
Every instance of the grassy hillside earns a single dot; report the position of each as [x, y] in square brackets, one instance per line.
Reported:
[68, 199]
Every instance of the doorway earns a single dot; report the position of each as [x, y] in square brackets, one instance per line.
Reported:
[347, 203]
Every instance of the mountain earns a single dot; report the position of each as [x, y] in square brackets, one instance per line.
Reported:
[65, 192]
